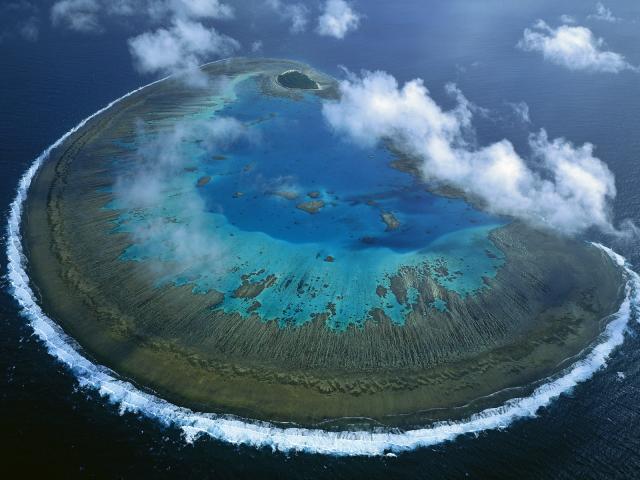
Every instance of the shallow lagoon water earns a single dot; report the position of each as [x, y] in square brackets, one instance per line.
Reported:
[253, 191]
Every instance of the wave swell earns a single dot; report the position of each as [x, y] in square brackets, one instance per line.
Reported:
[263, 434]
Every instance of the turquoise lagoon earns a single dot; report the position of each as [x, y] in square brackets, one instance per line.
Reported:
[231, 214]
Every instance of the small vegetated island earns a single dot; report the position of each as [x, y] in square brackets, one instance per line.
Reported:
[297, 80]
[156, 240]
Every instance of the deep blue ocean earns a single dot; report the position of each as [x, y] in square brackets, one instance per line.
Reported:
[50, 426]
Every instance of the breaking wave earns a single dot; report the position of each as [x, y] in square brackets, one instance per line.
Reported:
[263, 434]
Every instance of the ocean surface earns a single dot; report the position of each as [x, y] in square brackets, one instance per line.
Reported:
[51, 425]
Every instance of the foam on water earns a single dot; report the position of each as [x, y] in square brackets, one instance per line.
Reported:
[262, 434]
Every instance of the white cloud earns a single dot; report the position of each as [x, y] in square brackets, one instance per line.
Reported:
[337, 19]
[521, 111]
[604, 14]
[574, 47]
[162, 158]
[19, 18]
[190, 9]
[161, 161]
[256, 46]
[567, 19]
[78, 15]
[295, 13]
[30, 29]
[122, 7]
[86, 15]
[180, 49]
[204, 9]
[566, 188]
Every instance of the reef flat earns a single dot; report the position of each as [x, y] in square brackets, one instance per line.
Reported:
[224, 296]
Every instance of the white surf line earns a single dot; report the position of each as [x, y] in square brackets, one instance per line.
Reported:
[264, 434]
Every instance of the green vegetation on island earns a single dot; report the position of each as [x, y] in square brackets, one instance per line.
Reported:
[297, 80]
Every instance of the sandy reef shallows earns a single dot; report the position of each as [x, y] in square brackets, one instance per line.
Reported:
[311, 206]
